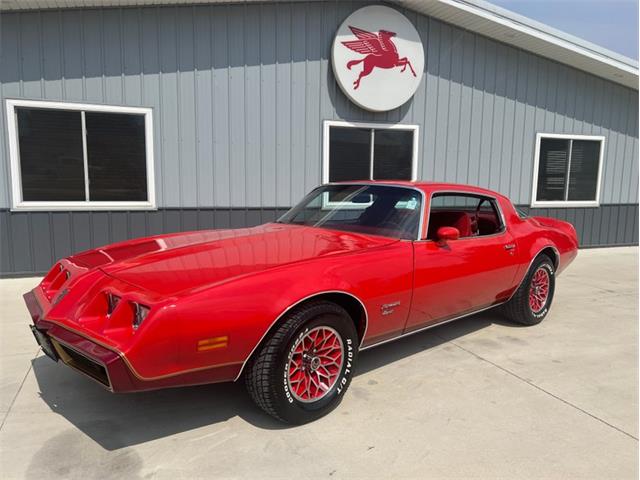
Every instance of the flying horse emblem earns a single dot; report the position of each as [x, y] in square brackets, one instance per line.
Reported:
[380, 52]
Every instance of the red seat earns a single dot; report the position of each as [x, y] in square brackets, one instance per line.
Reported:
[459, 220]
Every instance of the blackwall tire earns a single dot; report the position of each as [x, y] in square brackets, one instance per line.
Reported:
[531, 302]
[316, 346]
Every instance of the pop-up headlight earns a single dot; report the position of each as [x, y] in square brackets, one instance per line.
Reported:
[112, 302]
[140, 312]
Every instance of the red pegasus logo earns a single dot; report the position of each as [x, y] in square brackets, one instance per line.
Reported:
[380, 52]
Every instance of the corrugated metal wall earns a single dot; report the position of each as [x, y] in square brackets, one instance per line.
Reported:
[240, 92]
[32, 241]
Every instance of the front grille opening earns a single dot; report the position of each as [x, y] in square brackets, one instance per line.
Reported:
[83, 364]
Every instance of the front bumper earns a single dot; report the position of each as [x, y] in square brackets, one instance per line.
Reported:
[111, 368]
[81, 353]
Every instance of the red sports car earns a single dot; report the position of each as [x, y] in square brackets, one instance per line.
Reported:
[288, 305]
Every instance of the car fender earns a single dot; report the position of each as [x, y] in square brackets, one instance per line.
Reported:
[317, 294]
[237, 315]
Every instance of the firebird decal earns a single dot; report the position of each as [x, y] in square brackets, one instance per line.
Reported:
[380, 52]
[389, 308]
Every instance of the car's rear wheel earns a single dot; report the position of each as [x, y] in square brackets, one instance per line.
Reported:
[531, 302]
[304, 367]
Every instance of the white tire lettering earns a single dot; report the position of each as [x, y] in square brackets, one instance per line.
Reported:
[347, 371]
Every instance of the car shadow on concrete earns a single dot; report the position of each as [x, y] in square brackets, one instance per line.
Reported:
[117, 421]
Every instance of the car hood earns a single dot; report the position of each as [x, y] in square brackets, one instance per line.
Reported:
[170, 264]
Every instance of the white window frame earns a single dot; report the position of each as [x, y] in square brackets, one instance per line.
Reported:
[14, 153]
[565, 203]
[370, 125]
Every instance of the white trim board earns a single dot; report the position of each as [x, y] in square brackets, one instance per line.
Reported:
[14, 154]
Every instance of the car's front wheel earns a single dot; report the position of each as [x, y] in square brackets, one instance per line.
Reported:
[531, 302]
[304, 367]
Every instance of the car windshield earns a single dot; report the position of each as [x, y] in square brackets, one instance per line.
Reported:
[390, 211]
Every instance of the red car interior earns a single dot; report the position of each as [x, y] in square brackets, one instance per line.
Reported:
[459, 220]
[486, 223]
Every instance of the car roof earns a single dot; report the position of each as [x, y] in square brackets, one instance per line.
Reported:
[428, 187]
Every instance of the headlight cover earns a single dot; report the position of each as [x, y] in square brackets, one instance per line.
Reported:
[140, 312]
[112, 302]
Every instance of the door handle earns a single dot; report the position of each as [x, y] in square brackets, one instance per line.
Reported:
[510, 246]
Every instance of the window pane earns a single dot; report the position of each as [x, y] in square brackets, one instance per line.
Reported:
[552, 168]
[51, 165]
[349, 153]
[462, 202]
[583, 171]
[472, 215]
[116, 156]
[392, 153]
[369, 209]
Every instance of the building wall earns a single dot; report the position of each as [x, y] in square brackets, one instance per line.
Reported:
[240, 92]
[32, 241]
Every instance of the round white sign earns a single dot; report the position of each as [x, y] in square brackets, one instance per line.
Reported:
[377, 58]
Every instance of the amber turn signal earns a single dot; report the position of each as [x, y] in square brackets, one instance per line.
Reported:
[213, 343]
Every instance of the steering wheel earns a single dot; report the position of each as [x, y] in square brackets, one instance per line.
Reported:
[475, 229]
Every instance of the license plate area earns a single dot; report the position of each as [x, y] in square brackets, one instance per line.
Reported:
[45, 343]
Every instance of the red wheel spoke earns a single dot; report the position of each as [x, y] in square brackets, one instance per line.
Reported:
[315, 364]
[330, 361]
[297, 380]
[539, 289]
[327, 374]
[329, 343]
[322, 386]
[315, 381]
[320, 340]
[324, 372]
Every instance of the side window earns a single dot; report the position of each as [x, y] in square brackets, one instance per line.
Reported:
[472, 215]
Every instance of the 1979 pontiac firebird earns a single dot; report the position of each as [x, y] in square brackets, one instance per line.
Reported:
[286, 306]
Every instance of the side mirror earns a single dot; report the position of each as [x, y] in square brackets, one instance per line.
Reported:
[445, 234]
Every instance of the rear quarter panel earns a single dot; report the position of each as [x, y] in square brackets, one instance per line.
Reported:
[531, 238]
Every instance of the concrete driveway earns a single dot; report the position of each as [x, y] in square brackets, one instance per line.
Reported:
[476, 398]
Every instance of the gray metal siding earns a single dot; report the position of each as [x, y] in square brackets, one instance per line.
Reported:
[240, 92]
[31, 242]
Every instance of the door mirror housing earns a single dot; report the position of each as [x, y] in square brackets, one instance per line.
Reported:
[446, 234]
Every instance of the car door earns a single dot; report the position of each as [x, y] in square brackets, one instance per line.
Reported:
[463, 275]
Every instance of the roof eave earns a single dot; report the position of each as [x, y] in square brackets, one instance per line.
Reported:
[507, 27]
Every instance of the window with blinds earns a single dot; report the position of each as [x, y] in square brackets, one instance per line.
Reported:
[80, 156]
[369, 152]
[568, 170]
